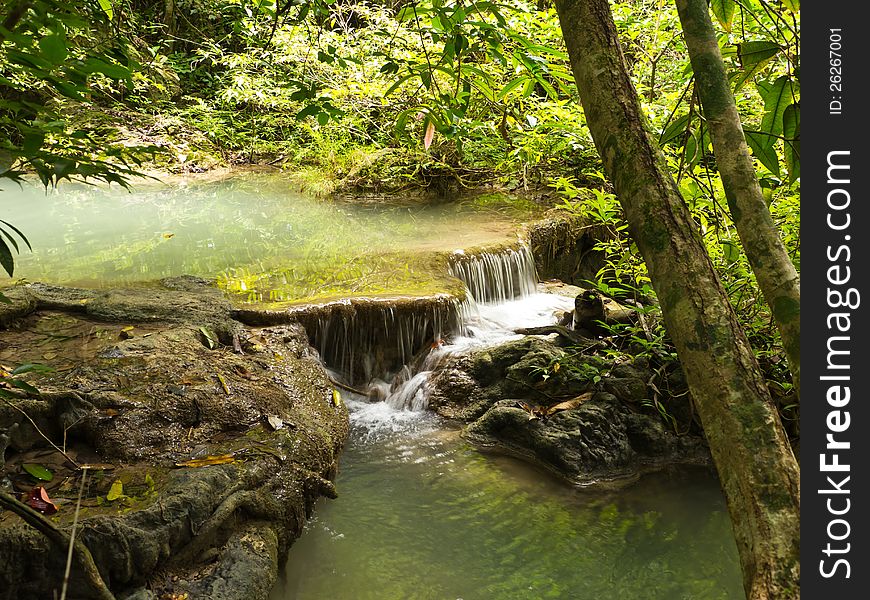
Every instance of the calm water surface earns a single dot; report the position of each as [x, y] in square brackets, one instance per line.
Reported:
[421, 515]
[254, 233]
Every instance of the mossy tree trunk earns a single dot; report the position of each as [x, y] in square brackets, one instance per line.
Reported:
[776, 274]
[757, 468]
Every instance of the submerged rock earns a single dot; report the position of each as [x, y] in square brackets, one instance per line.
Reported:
[210, 497]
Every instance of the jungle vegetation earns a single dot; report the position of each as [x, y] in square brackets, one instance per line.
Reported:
[674, 124]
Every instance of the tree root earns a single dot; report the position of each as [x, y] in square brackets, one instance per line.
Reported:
[60, 539]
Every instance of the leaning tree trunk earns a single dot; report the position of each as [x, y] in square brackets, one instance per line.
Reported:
[776, 274]
[757, 468]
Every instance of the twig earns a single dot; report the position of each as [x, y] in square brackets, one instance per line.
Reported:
[72, 536]
[39, 431]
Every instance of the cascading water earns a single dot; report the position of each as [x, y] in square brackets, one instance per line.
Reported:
[501, 288]
[496, 277]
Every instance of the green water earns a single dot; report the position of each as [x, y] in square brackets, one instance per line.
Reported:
[421, 515]
[254, 233]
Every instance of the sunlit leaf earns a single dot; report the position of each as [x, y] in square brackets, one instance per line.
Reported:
[723, 10]
[209, 338]
[106, 5]
[220, 459]
[568, 404]
[115, 491]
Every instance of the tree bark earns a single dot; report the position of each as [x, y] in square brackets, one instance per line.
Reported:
[776, 274]
[757, 468]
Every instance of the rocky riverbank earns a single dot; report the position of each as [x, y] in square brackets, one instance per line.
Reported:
[205, 443]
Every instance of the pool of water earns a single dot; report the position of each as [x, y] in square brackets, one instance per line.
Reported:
[258, 236]
[421, 515]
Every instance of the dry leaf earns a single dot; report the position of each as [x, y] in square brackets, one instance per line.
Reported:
[275, 422]
[39, 501]
[568, 404]
[430, 134]
[206, 461]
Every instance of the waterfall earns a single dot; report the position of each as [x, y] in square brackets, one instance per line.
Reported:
[401, 341]
[496, 277]
[373, 338]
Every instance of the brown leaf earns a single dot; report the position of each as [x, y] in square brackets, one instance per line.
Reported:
[568, 404]
[429, 135]
[39, 501]
[206, 461]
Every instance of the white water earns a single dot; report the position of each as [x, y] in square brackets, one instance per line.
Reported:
[483, 325]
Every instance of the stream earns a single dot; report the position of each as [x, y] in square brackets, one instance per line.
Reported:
[423, 515]
[420, 513]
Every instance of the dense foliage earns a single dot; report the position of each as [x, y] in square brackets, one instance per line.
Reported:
[386, 94]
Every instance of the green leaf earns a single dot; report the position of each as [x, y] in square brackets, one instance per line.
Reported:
[18, 231]
[791, 131]
[6, 260]
[106, 5]
[512, 85]
[210, 338]
[110, 70]
[308, 111]
[793, 6]
[32, 142]
[723, 10]
[398, 83]
[674, 132]
[323, 118]
[741, 77]
[53, 48]
[4, 299]
[23, 385]
[31, 367]
[751, 53]
[116, 491]
[38, 471]
[777, 96]
[762, 148]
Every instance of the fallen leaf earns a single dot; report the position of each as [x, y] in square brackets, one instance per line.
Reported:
[568, 404]
[116, 491]
[275, 422]
[126, 333]
[49, 355]
[336, 398]
[38, 471]
[206, 461]
[210, 339]
[166, 236]
[39, 501]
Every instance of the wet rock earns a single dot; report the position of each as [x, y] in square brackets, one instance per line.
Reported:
[602, 440]
[139, 407]
[616, 434]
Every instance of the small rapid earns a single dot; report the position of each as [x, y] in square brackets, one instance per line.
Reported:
[421, 514]
[507, 283]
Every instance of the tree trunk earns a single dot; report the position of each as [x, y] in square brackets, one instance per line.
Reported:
[776, 275]
[757, 468]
